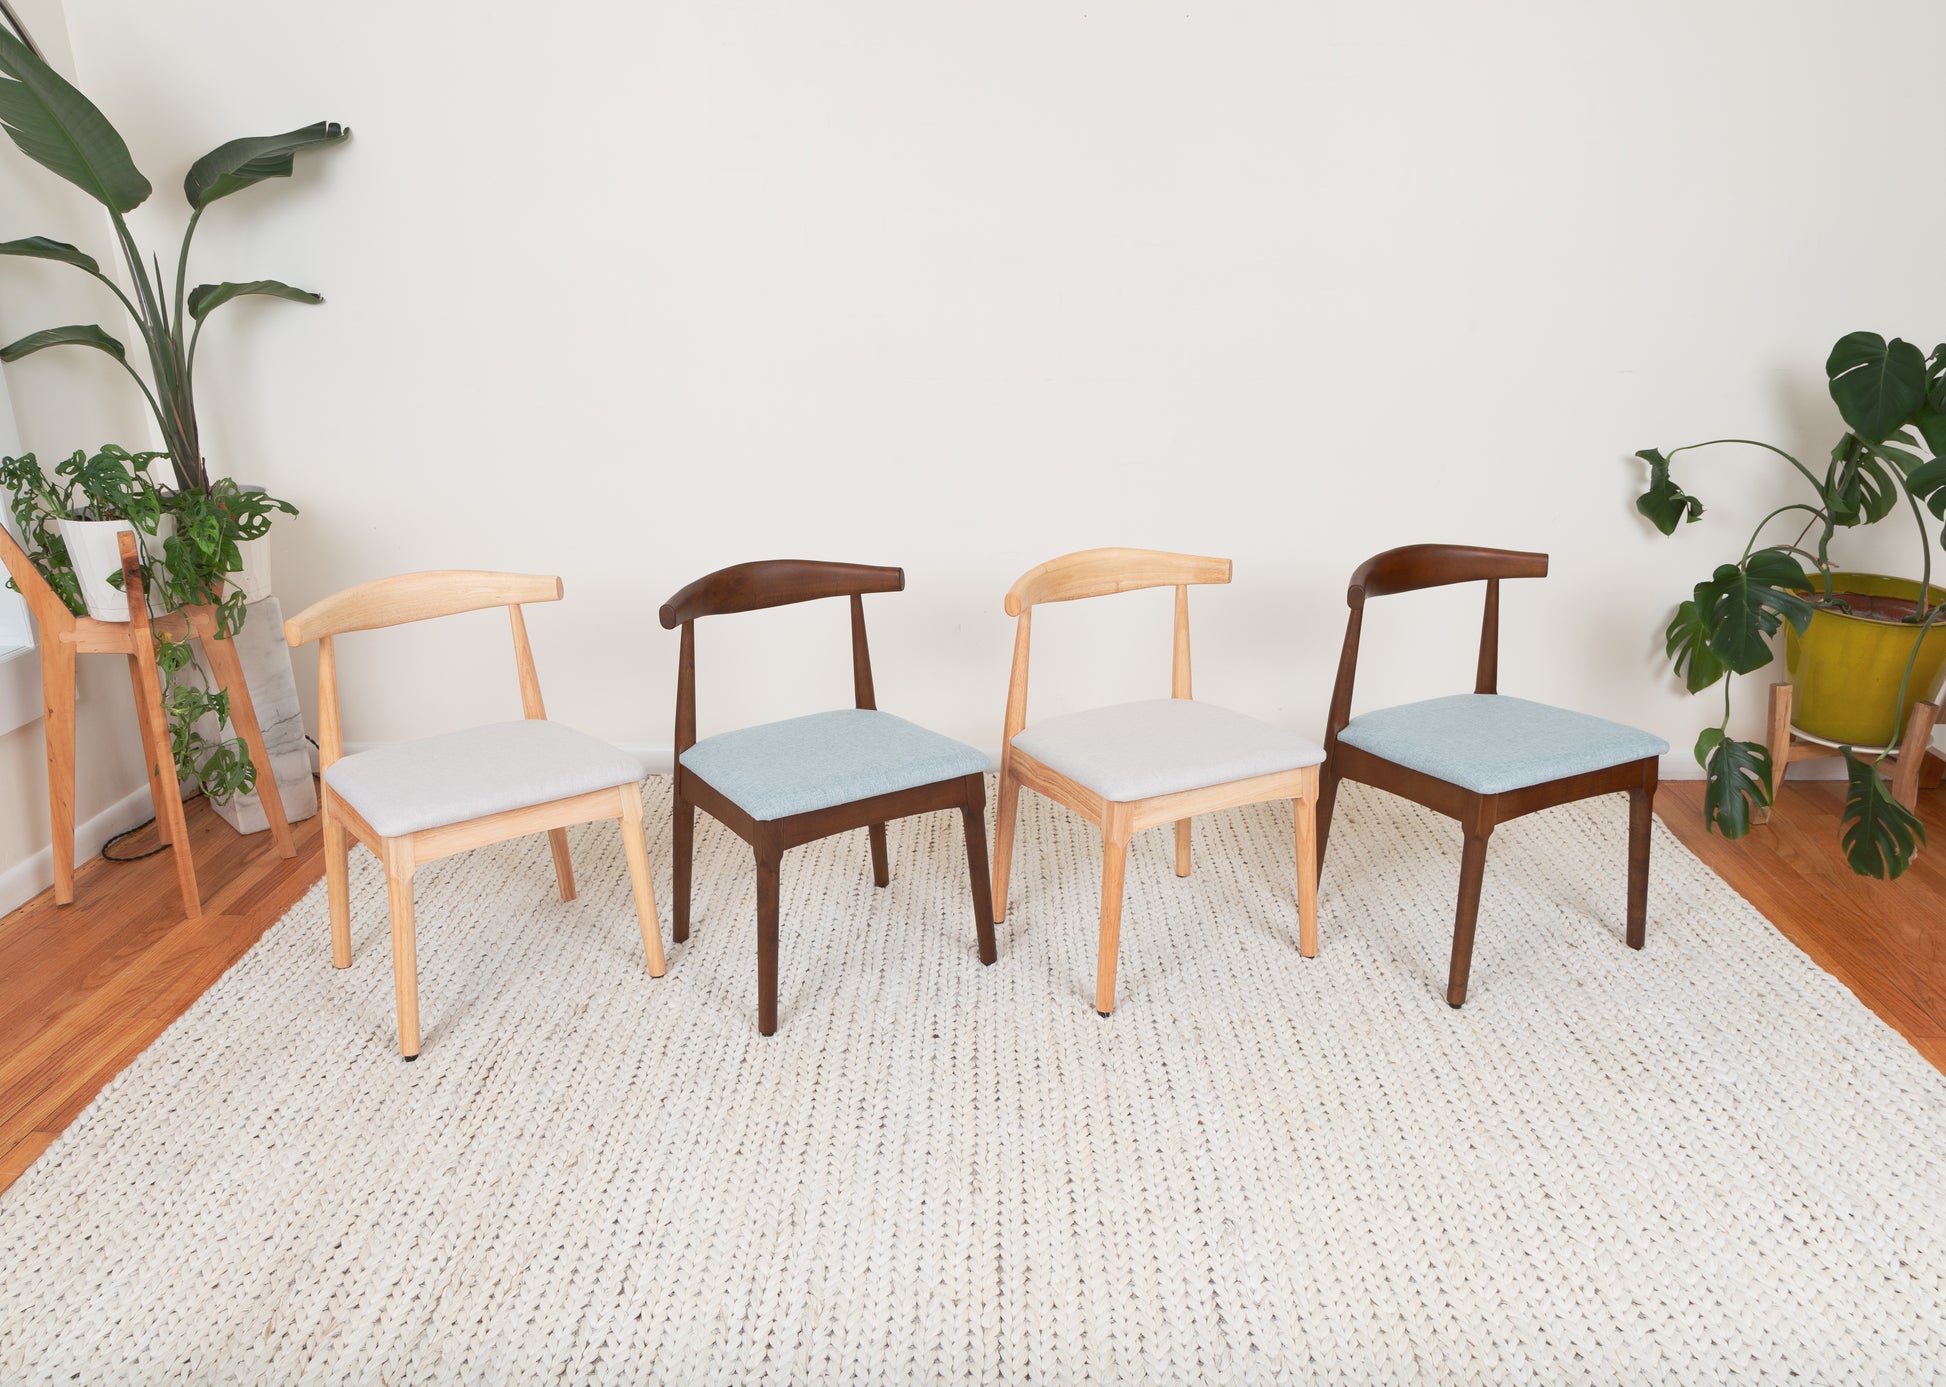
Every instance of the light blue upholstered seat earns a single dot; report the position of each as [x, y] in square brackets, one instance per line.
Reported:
[459, 776]
[1490, 743]
[1132, 751]
[778, 769]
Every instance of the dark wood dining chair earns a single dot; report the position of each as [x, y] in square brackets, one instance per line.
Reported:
[1482, 758]
[780, 785]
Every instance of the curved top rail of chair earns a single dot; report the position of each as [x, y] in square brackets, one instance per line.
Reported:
[1098, 572]
[749, 587]
[1436, 565]
[412, 597]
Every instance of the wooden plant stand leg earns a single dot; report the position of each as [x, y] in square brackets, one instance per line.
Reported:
[149, 708]
[57, 692]
[152, 755]
[243, 716]
[1778, 739]
[1914, 751]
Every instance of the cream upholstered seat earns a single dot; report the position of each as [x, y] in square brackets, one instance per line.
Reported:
[406, 786]
[1131, 751]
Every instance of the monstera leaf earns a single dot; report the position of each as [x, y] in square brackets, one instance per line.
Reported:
[1877, 385]
[240, 164]
[61, 130]
[1664, 503]
[1743, 605]
[1862, 489]
[1878, 833]
[1736, 781]
[1688, 644]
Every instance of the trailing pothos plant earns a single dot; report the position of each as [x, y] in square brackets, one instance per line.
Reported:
[60, 129]
[1892, 457]
[193, 570]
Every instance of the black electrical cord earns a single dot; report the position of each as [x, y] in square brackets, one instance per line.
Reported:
[107, 856]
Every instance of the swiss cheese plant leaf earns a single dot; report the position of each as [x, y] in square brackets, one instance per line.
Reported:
[206, 298]
[1878, 833]
[1750, 602]
[1862, 489]
[239, 164]
[1688, 642]
[40, 248]
[1706, 742]
[1664, 503]
[1936, 381]
[61, 130]
[1932, 427]
[1877, 385]
[1736, 781]
[1927, 483]
[78, 336]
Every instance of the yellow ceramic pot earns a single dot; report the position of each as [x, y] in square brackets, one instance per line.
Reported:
[1845, 670]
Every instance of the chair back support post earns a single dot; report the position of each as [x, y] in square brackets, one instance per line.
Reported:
[531, 705]
[1487, 679]
[1017, 678]
[861, 656]
[686, 690]
[1340, 713]
[1179, 665]
[331, 739]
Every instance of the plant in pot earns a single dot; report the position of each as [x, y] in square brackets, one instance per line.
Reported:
[60, 129]
[1860, 649]
[69, 521]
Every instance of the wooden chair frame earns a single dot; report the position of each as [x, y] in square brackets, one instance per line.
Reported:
[415, 597]
[776, 583]
[65, 636]
[1437, 565]
[1097, 573]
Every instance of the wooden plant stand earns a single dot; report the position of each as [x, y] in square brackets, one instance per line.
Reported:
[63, 636]
[1916, 765]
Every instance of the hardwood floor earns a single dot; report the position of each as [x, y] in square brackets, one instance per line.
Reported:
[85, 988]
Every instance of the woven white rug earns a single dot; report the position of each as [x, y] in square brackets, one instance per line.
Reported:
[1702, 1162]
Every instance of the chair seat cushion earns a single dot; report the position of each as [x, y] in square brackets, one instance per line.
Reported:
[1132, 751]
[461, 776]
[1490, 743]
[778, 769]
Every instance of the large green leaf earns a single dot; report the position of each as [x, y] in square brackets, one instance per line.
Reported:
[1877, 385]
[1736, 781]
[41, 248]
[232, 167]
[1879, 834]
[1664, 503]
[1688, 642]
[61, 130]
[78, 336]
[1862, 489]
[205, 299]
[1748, 602]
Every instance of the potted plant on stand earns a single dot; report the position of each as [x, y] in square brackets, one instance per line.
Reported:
[60, 129]
[1861, 650]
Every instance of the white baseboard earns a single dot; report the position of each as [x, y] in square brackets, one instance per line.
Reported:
[23, 881]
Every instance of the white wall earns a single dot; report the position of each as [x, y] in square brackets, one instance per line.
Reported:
[58, 406]
[627, 292]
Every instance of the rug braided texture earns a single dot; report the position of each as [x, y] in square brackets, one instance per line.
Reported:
[1702, 1162]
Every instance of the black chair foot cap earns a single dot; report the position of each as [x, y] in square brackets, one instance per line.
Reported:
[1104, 1015]
[408, 1058]
[1456, 1005]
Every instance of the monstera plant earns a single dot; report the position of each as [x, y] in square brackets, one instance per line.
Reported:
[1890, 462]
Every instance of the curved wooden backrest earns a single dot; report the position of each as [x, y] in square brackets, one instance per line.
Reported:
[416, 597]
[1098, 572]
[1417, 566]
[749, 587]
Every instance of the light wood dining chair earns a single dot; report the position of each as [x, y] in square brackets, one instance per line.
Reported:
[1482, 758]
[1132, 766]
[779, 785]
[415, 802]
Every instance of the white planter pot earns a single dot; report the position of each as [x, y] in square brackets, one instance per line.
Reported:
[94, 548]
[254, 580]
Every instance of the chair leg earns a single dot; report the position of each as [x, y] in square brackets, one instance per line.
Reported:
[557, 841]
[1327, 801]
[152, 755]
[881, 862]
[1473, 866]
[681, 850]
[1641, 812]
[337, 884]
[57, 693]
[767, 892]
[405, 943]
[974, 815]
[640, 878]
[1305, 812]
[1182, 846]
[1006, 812]
[1114, 866]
